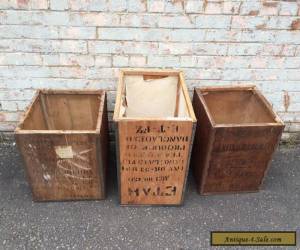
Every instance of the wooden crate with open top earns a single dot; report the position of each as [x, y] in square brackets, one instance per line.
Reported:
[154, 127]
[63, 140]
[236, 135]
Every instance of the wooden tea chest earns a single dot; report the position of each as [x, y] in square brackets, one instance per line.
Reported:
[236, 135]
[154, 134]
[63, 141]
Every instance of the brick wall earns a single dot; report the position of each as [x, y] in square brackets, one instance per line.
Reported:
[83, 43]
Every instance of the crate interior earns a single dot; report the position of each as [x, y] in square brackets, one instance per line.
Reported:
[61, 111]
[237, 107]
[152, 96]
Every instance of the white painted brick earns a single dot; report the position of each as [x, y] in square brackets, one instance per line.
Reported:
[288, 8]
[156, 5]
[17, 95]
[89, 5]
[117, 5]
[119, 47]
[209, 21]
[137, 5]
[103, 61]
[176, 48]
[194, 6]
[120, 61]
[186, 35]
[31, 4]
[20, 59]
[98, 73]
[9, 105]
[59, 4]
[26, 31]
[188, 61]
[202, 74]
[68, 60]
[46, 46]
[137, 61]
[9, 116]
[22, 105]
[146, 34]
[163, 61]
[231, 7]
[139, 20]
[93, 19]
[250, 8]
[77, 32]
[176, 22]
[213, 8]
[174, 6]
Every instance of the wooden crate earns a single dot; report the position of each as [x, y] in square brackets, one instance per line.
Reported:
[63, 140]
[154, 133]
[236, 135]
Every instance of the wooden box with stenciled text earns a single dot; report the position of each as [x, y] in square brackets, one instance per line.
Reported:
[62, 138]
[155, 125]
[236, 135]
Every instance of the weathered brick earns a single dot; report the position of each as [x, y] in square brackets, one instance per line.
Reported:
[209, 22]
[119, 47]
[9, 105]
[194, 6]
[103, 61]
[89, 5]
[59, 4]
[176, 22]
[137, 61]
[231, 7]
[156, 5]
[30, 4]
[26, 31]
[137, 5]
[68, 60]
[46, 46]
[174, 6]
[138, 20]
[93, 19]
[120, 61]
[251, 8]
[213, 7]
[77, 32]
[288, 8]
[117, 5]
[20, 59]
[163, 61]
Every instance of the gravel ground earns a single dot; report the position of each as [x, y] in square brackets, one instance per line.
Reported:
[105, 225]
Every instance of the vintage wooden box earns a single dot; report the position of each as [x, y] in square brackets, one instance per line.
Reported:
[63, 141]
[154, 133]
[236, 135]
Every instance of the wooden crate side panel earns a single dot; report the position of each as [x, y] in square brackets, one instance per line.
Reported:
[240, 157]
[202, 143]
[153, 161]
[60, 166]
[103, 148]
